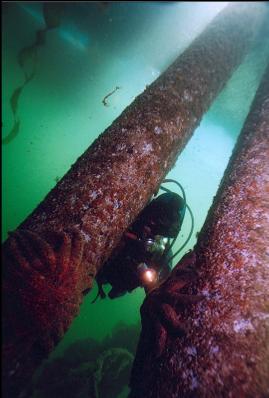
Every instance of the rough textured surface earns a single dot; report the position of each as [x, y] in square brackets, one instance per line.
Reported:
[86, 213]
[225, 349]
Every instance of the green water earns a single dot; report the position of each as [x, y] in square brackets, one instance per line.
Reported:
[94, 49]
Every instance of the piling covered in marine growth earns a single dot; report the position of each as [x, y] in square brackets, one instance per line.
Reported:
[225, 349]
[50, 261]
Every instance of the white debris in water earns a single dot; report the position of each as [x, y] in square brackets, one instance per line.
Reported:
[155, 72]
[242, 325]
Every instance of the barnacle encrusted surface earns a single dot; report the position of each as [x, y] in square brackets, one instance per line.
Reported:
[106, 189]
[43, 281]
[225, 352]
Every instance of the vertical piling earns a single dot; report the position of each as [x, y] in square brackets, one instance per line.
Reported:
[225, 351]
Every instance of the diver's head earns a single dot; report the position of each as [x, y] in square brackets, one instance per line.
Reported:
[165, 214]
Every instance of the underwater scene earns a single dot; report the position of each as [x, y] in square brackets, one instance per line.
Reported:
[69, 70]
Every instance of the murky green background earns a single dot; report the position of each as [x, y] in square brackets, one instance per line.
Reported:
[97, 47]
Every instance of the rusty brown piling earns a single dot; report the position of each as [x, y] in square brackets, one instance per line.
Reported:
[225, 350]
[51, 259]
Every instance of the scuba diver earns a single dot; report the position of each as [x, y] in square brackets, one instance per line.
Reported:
[144, 255]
